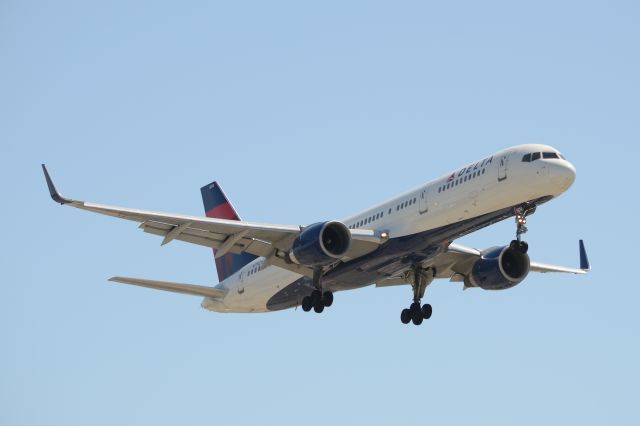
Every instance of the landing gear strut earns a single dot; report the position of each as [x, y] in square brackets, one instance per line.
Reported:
[521, 213]
[318, 299]
[416, 313]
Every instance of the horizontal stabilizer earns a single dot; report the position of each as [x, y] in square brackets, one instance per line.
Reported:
[195, 290]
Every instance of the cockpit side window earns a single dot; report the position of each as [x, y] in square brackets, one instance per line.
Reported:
[526, 158]
[549, 155]
[535, 156]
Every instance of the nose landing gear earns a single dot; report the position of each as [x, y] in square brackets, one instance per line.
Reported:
[521, 213]
[415, 313]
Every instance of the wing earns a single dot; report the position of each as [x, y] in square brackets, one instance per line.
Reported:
[474, 254]
[265, 240]
[456, 262]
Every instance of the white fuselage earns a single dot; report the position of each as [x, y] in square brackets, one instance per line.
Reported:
[489, 185]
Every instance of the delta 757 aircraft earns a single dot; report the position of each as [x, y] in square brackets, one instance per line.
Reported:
[406, 240]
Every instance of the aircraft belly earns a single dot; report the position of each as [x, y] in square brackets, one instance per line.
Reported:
[253, 293]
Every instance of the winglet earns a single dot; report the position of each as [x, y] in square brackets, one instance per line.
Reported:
[584, 260]
[55, 195]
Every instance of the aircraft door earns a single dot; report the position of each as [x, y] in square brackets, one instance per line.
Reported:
[424, 200]
[502, 168]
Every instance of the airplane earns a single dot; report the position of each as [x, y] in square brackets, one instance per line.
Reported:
[408, 240]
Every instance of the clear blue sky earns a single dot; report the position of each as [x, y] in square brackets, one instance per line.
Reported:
[305, 112]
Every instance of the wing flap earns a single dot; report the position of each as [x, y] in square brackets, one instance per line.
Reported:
[192, 289]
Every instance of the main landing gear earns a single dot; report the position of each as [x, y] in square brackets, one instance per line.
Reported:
[318, 299]
[416, 313]
[521, 213]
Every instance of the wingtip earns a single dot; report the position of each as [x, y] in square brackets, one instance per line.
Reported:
[584, 259]
[55, 195]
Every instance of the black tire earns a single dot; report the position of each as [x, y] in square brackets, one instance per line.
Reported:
[327, 299]
[318, 307]
[514, 245]
[307, 304]
[405, 316]
[415, 309]
[524, 247]
[427, 311]
[315, 296]
[417, 320]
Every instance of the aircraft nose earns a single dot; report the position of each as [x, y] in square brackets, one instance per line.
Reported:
[564, 173]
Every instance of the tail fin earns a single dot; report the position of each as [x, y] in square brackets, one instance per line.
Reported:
[216, 205]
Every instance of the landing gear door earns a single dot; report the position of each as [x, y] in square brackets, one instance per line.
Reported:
[502, 168]
[424, 200]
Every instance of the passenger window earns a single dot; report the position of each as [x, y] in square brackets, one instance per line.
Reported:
[535, 156]
[415, 199]
[526, 158]
[389, 211]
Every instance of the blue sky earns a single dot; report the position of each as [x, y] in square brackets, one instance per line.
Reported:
[305, 112]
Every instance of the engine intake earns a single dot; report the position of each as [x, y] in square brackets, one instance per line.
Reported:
[321, 244]
[499, 269]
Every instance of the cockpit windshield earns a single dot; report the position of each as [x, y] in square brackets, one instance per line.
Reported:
[533, 156]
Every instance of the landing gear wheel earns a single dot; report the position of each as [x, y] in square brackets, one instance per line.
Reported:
[520, 246]
[307, 303]
[405, 316]
[415, 309]
[327, 298]
[318, 307]
[421, 278]
[427, 310]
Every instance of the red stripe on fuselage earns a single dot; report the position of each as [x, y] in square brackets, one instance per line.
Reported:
[223, 211]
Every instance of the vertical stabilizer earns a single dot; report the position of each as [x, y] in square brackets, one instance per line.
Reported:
[217, 205]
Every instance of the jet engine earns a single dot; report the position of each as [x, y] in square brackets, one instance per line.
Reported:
[499, 268]
[321, 244]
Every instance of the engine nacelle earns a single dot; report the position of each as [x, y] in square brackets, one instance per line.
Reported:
[321, 244]
[498, 269]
